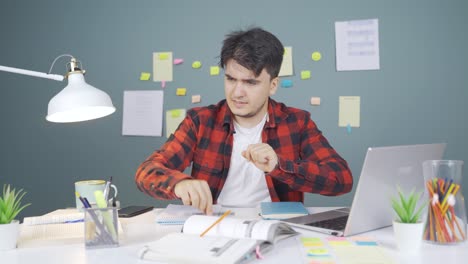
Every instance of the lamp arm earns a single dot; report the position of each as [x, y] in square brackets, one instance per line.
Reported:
[32, 73]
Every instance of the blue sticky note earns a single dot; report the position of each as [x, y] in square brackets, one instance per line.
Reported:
[366, 243]
[286, 83]
[348, 129]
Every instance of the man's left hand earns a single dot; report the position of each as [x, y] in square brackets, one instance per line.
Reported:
[262, 155]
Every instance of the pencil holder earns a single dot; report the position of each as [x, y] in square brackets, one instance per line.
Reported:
[101, 227]
[446, 216]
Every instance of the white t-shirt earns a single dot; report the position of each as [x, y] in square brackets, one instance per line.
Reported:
[245, 185]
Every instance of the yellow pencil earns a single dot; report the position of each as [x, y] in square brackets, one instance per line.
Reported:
[216, 222]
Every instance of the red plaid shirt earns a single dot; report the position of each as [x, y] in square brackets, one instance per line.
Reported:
[307, 162]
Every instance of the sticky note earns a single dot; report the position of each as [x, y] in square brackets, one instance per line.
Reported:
[173, 118]
[286, 83]
[311, 239]
[181, 91]
[178, 61]
[316, 56]
[163, 84]
[317, 252]
[145, 76]
[162, 66]
[305, 75]
[349, 111]
[339, 243]
[196, 64]
[336, 238]
[287, 64]
[214, 70]
[163, 56]
[313, 244]
[348, 129]
[196, 99]
[175, 112]
[315, 100]
[366, 243]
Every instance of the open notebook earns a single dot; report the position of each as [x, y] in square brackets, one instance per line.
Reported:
[232, 240]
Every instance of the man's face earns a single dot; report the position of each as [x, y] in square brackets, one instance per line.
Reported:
[247, 95]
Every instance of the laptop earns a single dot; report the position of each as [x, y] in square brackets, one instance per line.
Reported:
[384, 168]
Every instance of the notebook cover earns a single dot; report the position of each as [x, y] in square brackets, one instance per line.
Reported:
[282, 210]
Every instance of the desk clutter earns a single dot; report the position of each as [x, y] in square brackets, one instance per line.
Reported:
[60, 227]
[342, 250]
[212, 239]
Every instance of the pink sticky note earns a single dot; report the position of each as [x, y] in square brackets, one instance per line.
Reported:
[178, 61]
[163, 84]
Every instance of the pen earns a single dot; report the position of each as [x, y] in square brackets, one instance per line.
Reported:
[107, 189]
[105, 235]
[216, 222]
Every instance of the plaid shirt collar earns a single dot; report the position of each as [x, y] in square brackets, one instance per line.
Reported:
[275, 115]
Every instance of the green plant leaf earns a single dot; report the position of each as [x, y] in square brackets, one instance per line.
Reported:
[405, 206]
[10, 204]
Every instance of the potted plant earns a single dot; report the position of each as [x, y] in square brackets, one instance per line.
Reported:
[10, 207]
[408, 227]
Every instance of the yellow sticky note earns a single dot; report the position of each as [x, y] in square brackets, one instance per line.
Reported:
[339, 243]
[173, 119]
[305, 75]
[196, 64]
[196, 98]
[316, 56]
[287, 65]
[162, 66]
[181, 91]
[163, 56]
[145, 76]
[349, 111]
[214, 70]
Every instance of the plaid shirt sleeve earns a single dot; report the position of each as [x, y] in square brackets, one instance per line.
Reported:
[317, 169]
[161, 171]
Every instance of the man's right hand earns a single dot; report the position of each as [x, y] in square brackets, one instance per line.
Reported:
[195, 193]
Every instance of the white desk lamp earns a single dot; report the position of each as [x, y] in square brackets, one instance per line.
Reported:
[78, 101]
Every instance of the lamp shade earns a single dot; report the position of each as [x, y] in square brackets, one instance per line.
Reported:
[79, 101]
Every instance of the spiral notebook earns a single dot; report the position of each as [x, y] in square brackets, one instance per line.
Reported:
[175, 214]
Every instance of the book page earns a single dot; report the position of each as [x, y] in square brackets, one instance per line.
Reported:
[198, 249]
[231, 227]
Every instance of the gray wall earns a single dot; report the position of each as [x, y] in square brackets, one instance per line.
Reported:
[418, 96]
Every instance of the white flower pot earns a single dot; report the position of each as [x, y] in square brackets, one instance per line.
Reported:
[408, 236]
[9, 235]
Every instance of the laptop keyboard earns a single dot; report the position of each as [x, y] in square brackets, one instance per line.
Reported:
[338, 223]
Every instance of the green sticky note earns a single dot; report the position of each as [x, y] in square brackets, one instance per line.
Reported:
[175, 113]
[214, 70]
[305, 75]
[196, 64]
[316, 56]
[145, 76]
[163, 56]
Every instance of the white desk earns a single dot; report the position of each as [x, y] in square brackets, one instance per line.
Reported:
[142, 229]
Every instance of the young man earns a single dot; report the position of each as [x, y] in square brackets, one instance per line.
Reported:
[247, 148]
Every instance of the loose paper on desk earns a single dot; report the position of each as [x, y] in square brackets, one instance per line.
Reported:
[142, 113]
[349, 112]
[357, 45]
[173, 118]
[162, 66]
[287, 65]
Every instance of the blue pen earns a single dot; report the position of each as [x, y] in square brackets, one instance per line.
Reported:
[74, 221]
